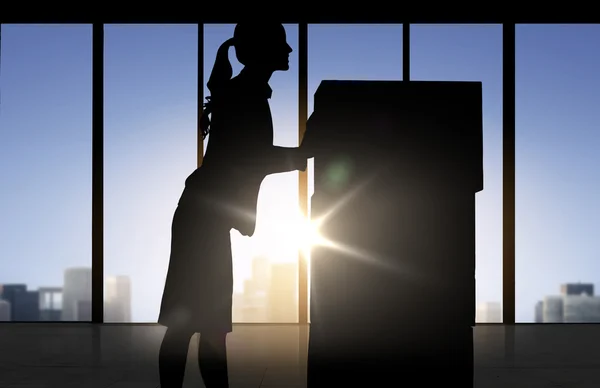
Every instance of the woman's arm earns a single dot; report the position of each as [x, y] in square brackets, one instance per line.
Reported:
[249, 139]
[252, 145]
[286, 159]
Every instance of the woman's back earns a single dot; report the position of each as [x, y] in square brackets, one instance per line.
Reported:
[238, 156]
[241, 126]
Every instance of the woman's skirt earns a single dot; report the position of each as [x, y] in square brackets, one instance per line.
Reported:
[198, 290]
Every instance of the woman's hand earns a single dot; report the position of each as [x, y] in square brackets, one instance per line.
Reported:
[286, 159]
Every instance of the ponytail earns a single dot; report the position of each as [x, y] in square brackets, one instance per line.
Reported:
[220, 75]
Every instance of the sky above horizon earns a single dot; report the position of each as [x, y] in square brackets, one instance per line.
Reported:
[150, 145]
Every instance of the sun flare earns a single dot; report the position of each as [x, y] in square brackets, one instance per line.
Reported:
[285, 240]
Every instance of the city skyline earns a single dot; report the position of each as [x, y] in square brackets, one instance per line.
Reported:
[257, 303]
[576, 303]
[69, 302]
[150, 145]
[117, 299]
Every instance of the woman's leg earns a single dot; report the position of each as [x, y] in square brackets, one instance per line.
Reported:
[212, 359]
[172, 357]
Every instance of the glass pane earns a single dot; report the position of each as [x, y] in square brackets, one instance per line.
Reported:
[351, 52]
[474, 53]
[266, 264]
[150, 112]
[557, 189]
[57, 301]
[45, 167]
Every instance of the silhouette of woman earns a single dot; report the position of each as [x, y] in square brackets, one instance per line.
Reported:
[219, 196]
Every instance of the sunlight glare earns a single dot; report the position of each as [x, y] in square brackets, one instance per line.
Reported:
[297, 234]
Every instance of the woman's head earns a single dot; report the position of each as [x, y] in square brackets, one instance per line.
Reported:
[262, 45]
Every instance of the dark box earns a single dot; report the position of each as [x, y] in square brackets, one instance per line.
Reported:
[397, 166]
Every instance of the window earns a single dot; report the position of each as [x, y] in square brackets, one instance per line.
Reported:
[45, 168]
[266, 264]
[474, 53]
[557, 179]
[150, 106]
[150, 110]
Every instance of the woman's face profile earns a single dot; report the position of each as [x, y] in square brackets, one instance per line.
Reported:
[264, 46]
[280, 50]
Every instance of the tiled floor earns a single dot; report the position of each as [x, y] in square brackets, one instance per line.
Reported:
[274, 356]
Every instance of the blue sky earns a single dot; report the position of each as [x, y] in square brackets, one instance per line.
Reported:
[150, 138]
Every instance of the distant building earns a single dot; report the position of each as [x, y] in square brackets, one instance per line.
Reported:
[553, 309]
[117, 304]
[576, 303]
[9, 294]
[254, 306]
[238, 307]
[24, 304]
[251, 287]
[77, 287]
[283, 303]
[50, 303]
[577, 289]
[83, 311]
[489, 312]
[251, 306]
[539, 312]
[27, 307]
[255, 309]
[261, 268]
[581, 309]
[4, 310]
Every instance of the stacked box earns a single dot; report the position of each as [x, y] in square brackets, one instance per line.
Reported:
[397, 166]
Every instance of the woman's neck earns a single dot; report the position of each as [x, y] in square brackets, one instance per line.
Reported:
[260, 75]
